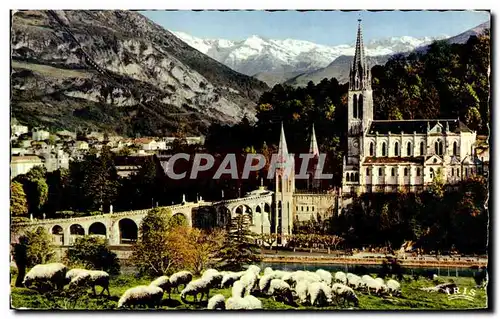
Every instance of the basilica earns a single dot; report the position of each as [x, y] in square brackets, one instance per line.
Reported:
[386, 156]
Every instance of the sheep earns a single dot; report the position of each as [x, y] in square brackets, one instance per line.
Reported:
[247, 303]
[194, 288]
[341, 277]
[372, 284]
[325, 276]
[320, 294]
[268, 270]
[249, 280]
[164, 283]
[92, 278]
[216, 302]
[281, 291]
[354, 281]
[254, 269]
[141, 296]
[53, 274]
[302, 275]
[301, 290]
[230, 278]
[180, 278]
[72, 273]
[380, 280]
[238, 289]
[394, 287]
[213, 277]
[345, 293]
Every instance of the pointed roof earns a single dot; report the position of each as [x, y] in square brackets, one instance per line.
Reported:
[359, 75]
[313, 148]
[283, 149]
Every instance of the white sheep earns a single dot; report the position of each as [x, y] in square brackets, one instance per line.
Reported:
[247, 303]
[254, 269]
[301, 275]
[230, 278]
[301, 290]
[72, 273]
[149, 296]
[281, 291]
[345, 293]
[250, 281]
[194, 288]
[268, 270]
[394, 287]
[325, 276]
[217, 302]
[372, 284]
[46, 275]
[265, 282]
[91, 278]
[238, 290]
[320, 293]
[354, 281]
[214, 277]
[164, 283]
[341, 277]
[180, 278]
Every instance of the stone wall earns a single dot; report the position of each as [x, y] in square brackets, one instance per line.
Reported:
[307, 205]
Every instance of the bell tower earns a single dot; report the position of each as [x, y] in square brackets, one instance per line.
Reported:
[360, 101]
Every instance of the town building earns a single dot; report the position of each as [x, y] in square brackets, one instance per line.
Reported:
[22, 164]
[40, 134]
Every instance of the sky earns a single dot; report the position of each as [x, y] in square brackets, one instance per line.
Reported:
[322, 27]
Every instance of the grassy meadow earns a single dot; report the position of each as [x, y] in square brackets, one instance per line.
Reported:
[412, 298]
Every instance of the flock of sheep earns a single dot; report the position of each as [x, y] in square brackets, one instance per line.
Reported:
[319, 288]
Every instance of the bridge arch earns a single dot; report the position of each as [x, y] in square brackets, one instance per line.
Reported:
[128, 231]
[76, 229]
[97, 228]
[57, 234]
[223, 216]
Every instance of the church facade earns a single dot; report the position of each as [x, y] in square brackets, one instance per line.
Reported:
[386, 156]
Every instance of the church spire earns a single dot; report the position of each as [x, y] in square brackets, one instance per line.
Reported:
[313, 148]
[282, 150]
[359, 75]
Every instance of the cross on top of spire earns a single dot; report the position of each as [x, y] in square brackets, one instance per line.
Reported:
[359, 77]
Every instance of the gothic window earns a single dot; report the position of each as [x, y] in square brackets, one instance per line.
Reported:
[455, 148]
[279, 183]
[396, 149]
[393, 172]
[360, 106]
[406, 171]
[452, 172]
[371, 148]
[384, 151]
[367, 171]
[408, 149]
[307, 208]
[312, 208]
[355, 106]
[347, 177]
[356, 177]
[432, 172]
[438, 147]
[352, 177]
[418, 171]
[422, 148]
[380, 172]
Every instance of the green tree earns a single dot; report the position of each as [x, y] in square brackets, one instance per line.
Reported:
[239, 248]
[92, 252]
[35, 187]
[18, 202]
[38, 243]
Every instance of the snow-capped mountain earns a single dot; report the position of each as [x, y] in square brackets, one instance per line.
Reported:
[257, 55]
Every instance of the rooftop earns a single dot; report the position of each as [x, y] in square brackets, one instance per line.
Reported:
[417, 126]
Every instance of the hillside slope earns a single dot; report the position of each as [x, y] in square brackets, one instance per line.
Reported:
[118, 71]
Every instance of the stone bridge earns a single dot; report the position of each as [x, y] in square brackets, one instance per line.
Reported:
[123, 228]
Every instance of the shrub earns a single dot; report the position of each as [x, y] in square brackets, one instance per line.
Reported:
[92, 252]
